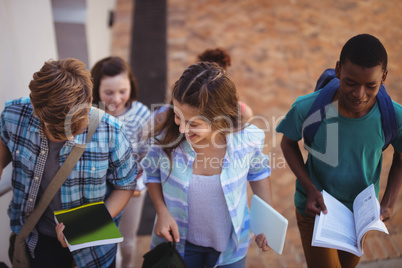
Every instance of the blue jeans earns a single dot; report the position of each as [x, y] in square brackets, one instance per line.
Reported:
[201, 257]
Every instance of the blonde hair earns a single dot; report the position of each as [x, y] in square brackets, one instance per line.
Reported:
[61, 95]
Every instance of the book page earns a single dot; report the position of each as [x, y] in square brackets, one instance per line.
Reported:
[365, 209]
[337, 226]
[367, 212]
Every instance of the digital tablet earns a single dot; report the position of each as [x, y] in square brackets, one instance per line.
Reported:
[265, 219]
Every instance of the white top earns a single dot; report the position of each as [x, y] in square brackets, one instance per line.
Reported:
[208, 215]
[134, 120]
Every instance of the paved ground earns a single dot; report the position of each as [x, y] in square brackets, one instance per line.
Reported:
[278, 50]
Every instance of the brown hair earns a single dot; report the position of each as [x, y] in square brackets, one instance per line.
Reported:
[112, 66]
[208, 88]
[61, 95]
[218, 55]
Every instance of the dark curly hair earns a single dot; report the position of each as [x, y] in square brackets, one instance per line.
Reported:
[218, 55]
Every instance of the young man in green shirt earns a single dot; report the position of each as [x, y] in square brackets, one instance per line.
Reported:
[346, 154]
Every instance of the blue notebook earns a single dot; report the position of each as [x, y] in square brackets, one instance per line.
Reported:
[265, 219]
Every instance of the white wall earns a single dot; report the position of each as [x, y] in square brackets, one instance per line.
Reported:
[5, 230]
[99, 35]
[82, 29]
[27, 41]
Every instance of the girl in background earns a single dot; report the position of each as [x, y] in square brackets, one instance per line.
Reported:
[197, 167]
[222, 58]
[115, 90]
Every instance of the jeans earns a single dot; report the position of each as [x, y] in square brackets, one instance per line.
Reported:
[201, 257]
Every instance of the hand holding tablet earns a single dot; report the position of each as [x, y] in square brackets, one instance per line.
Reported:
[265, 219]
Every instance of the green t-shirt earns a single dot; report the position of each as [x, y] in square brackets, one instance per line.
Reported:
[346, 154]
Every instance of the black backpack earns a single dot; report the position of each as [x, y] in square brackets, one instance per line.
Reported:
[328, 84]
[164, 255]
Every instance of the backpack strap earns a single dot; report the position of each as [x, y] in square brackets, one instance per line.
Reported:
[388, 116]
[329, 84]
[324, 79]
[321, 104]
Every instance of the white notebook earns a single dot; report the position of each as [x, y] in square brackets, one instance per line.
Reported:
[265, 219]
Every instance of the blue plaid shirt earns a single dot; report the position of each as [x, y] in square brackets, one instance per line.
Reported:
[244, 161]
[106, 164]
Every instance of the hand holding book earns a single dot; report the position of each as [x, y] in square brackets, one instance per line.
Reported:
[86, 226]
[345, 230]
[60, 236]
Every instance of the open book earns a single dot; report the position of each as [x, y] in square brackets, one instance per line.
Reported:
[88, 225]
[344, 230]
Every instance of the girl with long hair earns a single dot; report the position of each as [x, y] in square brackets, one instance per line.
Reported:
[199, 161]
